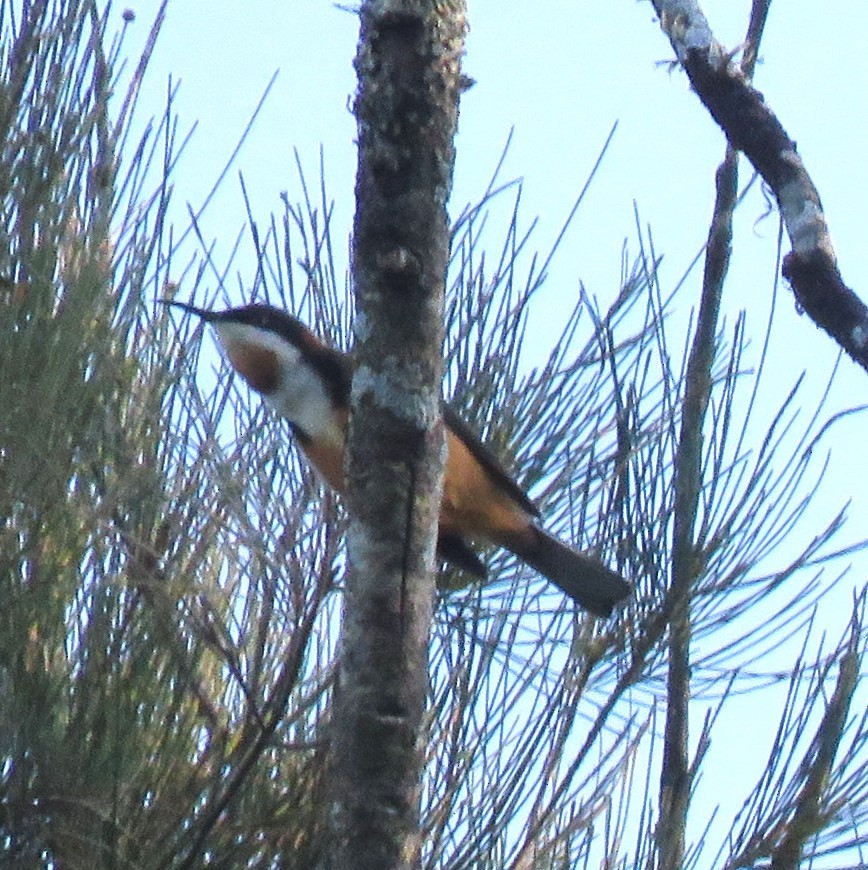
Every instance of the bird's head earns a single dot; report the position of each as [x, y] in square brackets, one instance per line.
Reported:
[302, 378]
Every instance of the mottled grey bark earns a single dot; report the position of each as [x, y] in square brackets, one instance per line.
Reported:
[408, 65]
[751, 127]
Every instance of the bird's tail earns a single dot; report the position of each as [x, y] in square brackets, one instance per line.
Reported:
[584, 578]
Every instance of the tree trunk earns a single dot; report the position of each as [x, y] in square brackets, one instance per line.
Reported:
[408, 65]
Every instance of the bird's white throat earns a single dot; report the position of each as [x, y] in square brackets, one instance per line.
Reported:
[300, 394]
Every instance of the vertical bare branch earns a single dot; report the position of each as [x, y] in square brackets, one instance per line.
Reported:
[675, 778]
[408, 64]
[687, 561]
[809, 817]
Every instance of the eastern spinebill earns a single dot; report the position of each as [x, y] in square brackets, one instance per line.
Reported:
[308, 382]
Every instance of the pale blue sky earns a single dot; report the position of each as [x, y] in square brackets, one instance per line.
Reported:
[560, 72]
[560, 75]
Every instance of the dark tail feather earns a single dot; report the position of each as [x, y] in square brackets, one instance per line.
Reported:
[456, 551]
[585, 579]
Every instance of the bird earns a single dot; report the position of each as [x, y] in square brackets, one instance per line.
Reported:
[307, 381]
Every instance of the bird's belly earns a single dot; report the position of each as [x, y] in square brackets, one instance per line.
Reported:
[325, 447]
[327, 458]
[473, 505]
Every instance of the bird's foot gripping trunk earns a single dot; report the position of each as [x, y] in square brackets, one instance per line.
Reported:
[584, 578]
